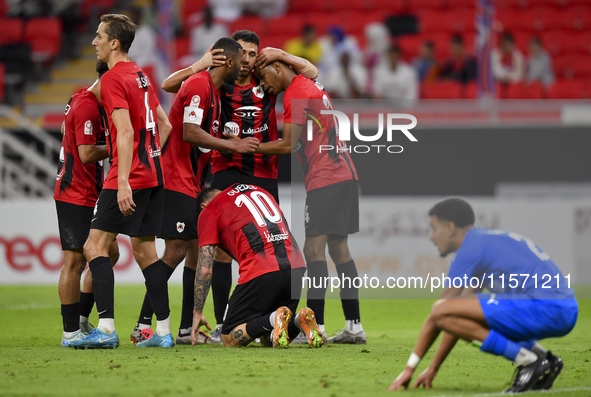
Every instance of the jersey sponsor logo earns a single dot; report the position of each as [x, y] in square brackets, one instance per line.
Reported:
[88, 127]
[231, 128]
[215, 126]
[276, 237]
[258, 91]
[258, 130]
[180, 227]
[248, 112]
[61, 174]
[153, 152]
[195, 100]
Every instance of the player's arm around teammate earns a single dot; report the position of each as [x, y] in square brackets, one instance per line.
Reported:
[211, 58]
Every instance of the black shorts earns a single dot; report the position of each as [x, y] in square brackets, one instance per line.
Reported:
[225, 178]
[144, 222]
[262, 296]
[74, 224]
[179, 217]
[333, 210]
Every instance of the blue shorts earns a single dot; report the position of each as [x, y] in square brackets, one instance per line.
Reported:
[521, 319]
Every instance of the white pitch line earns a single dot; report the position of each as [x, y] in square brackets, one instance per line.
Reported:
[507, 394]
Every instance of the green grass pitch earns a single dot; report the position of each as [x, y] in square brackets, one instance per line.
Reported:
[33, 363]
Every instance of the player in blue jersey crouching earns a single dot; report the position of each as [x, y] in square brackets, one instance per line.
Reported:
[529, 300]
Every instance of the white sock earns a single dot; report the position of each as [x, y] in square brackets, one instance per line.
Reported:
[353, 326]
[68, 335]
[539, 350]
[525, 357]
[141, 326]
[83, 319]
[272, 319]
[219, 326]
[185, 330]
[163, 327]
[321, 326]
[107, 325]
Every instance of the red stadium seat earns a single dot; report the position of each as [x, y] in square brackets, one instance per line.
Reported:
[290, 24]
[470, 90]
[464, 19]
[416, 5]
[581, 16]
[94, 8]
[1, 82]
[317, 5]
[11, 30]
[525, 91]
[558, 42]
[471, 4]
[522, 39]
[45, 37]
[321, 21]
[182, 47]
[515, 19]
[511, 4]
[274, 40]
[188, 12]
[409, 46]
[387, 7]
[566, 89]
[580, 65]
[561, 65]
[255, 24]
[548, 18]
[443, 89]
[436, 21]
[354, 23]
[352, 5]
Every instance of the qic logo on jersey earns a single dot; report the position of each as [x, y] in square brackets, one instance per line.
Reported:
[248, 112]
[231, 128]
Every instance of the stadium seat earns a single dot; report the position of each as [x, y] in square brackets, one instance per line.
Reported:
[416, 5]
[525, 91]
[275, 40]
[511, 4]
[354, 23]
[515, 19]
[464, 19]
[558, 42]
[182, 47]
[471, 4]
[566, 89]
[580, 65]
[436, 21]
[387, 7]
[561, 65]
[290, 24]
[470, 90]
[409, 46]
[45, 37]
[253, 23]
[547, 18]
[322, 20]
[352, 5]
[443, 89]
[522, 39]
[581, 16]
[11, 30]
[94, 8]
[191, 7]
[317, 5]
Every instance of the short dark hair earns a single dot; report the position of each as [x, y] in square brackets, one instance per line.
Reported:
[507, 36]
[203, 196]
[119, 27]
[536, 39]
[454, 210]
[230, 46]
[101, 68]
[308, 29]
[457, 39]
[429, 44]
[395, 48]
[247, 36]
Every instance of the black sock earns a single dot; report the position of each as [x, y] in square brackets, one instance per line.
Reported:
[259, 326]
[86, 304]
[221, 284]
[146, 312]
[156, 276]
[317, 271]
[349, 294]
[71, 317]
[103, 286]
[292, 330]
[188, 298]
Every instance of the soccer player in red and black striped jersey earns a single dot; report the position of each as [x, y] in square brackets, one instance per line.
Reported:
[78, 183]
[246, 222]
[332, 201]
[132, 197]
[247, 111]
[195, 119]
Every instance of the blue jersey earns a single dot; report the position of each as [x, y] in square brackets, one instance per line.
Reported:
[509, 263]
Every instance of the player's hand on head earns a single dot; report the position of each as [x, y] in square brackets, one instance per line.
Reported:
[402, 380]
[213, 57]
[426, 378]
[125, 200]
[268, 55]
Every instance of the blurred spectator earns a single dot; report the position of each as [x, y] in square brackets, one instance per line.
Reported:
[507, 62]
[460, 66]
[539, 64]
[143, 48]
[378, 40]
[265, 8]
[425, 63]
[307, 46]
[396, 80]
[346, 79]
[207, 33]
[226, 10]
[334, 44]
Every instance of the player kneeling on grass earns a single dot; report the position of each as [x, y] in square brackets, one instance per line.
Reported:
[507, 321]
[246, 222]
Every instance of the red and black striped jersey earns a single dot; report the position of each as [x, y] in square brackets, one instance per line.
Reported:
[248, 111]
[126, 86]
[185, 165]
[303, 100]
[85, 124]
[247, 222]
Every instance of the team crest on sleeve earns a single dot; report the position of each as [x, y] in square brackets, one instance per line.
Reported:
[88, 127]
[192, 115]
[195, 100]
[180, 227]
[258, 91]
